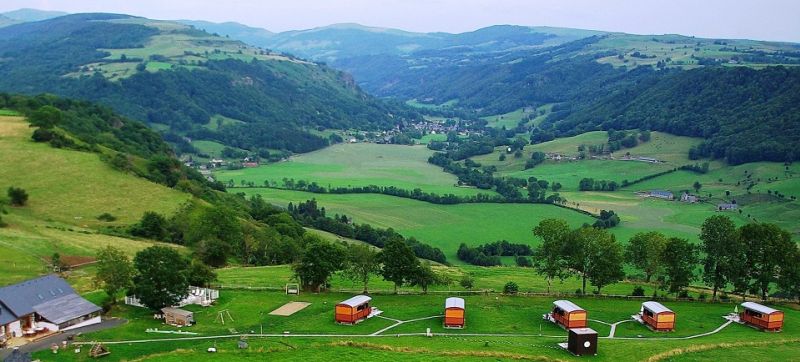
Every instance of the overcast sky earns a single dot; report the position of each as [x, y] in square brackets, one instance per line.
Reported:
[763, 19]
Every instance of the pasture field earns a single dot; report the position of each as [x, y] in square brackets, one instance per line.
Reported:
[518, 316]
[67, 191]
[508, 120]
[358, 164]
[73, 187]
[484, 278]
[443, 226]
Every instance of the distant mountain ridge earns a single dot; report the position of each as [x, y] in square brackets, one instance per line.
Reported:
[27, 14]
[178, 77]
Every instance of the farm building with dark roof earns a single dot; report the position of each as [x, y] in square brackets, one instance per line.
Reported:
[42, 306]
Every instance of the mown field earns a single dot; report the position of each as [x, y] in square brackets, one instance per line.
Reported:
[486, 314]
[359, 164]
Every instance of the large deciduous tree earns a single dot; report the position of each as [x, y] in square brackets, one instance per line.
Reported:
[605, 260]
[680, 259]
[319, 261]
[114, 271]
[644, 252]
[718, 234]
[789, 276]
[362, 262]
[548, 258]
[767, 248]
[161, 279]
[399, 263]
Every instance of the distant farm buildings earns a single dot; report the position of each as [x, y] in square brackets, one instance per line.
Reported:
[659, 194]
[686, 197]
[727, 206]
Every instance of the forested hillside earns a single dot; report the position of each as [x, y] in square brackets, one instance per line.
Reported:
[171, 74]
[745, 115]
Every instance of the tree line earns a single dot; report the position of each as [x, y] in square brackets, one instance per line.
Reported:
[489, 254]
[752, 258]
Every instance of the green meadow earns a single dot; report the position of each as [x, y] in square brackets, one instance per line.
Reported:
[443, 226]
[520, 318]
[358, 164]
[67, 191]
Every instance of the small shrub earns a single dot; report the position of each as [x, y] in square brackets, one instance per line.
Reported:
[107, 217]
[466, 282]
[510, 288]
[638, 291]
[578, 291]
[18, 196]
[702, 296]
[524, 262]
[683, 294]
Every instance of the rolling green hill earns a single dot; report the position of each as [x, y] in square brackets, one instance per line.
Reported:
[172, 74]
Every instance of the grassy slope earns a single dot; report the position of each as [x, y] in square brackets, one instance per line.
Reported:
[359, 164]
[68, 190]
[444, 226]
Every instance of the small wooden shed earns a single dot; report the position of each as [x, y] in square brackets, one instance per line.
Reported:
[177, 317]
[657, 316]
[353, 310]
[569, 314]
[454, 312]
[582, 342]
[761, 316]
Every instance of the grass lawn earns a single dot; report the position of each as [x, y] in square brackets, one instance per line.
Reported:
[443, 226]
[359, 164]
[485, 314]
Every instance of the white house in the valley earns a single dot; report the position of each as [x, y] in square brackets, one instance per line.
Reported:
[43, 306]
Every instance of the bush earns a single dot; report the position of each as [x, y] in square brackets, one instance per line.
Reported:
[510, 288]
[107, 217]
[638, 291]
[683, 294]
[18, 196]
[702, 296]
[466, 282]
[524, 262]
[578, 291]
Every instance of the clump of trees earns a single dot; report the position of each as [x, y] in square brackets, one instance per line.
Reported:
[589, 253]
[489, 254]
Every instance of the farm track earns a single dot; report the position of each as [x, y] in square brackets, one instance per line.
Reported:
[379, 334]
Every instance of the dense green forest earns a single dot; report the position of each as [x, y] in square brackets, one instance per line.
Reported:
[745, 115]
[275, 100]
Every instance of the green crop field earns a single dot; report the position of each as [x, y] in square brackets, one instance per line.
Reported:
[488, 319]
[444, 226]
[359, 164]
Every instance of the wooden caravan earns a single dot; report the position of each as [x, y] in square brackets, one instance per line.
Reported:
[353, 310]
[657, 316]
[177, 317]
[569, 315]
[761, 316]
[454, 313]
[582, 342]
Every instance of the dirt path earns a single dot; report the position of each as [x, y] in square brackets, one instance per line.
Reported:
[379, 334]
